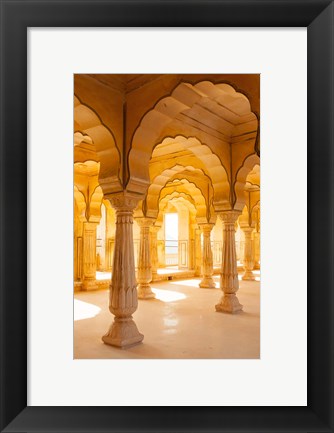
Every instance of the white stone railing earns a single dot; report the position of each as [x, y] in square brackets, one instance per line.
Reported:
[171, 259]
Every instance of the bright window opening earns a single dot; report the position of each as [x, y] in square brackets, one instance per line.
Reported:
[171, 239]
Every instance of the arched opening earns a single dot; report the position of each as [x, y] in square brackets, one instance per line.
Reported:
[93, 140]
[171, 224]
[213, 113]
[248, 164]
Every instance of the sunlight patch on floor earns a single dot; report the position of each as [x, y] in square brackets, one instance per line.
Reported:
[190, 283]
[84, 310]
[169, 270]
[256, 278]
[168, 295]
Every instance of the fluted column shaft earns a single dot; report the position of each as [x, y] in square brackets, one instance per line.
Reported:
[248, 255]
[123, 288]
[154, 251]
[198, 252]
[89, 256]
[144, 275]
[229, 282]
[207, 260]
[257, 254]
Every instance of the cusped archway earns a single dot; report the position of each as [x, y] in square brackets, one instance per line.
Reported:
[89, 130]
[210, 112]
[187, 190]
[247, 166]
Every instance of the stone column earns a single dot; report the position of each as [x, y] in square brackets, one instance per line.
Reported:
[207, 260]
[192, 246]
[248, 255]
[123, 288]
[257, 254]
[144, 276]
[89, 256]
[154, 252]
[198, 252]
[229, 283]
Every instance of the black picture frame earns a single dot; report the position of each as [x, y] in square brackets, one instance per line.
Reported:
[16, 17]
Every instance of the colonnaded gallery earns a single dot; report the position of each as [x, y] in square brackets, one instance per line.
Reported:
[166, 216]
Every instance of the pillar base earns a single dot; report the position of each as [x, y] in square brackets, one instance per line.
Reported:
[89, 285]
[123, 333]
[207, 283]
[229, 304]
[248, 276]
[145, 292]
[197, 273]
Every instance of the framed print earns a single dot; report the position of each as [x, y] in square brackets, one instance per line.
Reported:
[172, 82]
[184, 359]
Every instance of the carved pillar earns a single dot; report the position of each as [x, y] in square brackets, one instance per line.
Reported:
[123, 288]
[198, 252]
[144, 275]
[192, 246]
[257, 253]
[154, 251]
[207, 260]
[229, 283]
[248, 255]
[89, 256]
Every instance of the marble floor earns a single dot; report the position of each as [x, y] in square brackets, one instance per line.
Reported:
[180, 323]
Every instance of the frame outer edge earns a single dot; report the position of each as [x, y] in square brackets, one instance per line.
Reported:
[13, 303]
[320, 214]
[13, 214]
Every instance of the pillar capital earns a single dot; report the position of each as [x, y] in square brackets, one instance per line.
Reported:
[123, 201]
[229, 216]
[206, 228]
[90, 225]
[247, 229]
[144, 222]
[154, 228]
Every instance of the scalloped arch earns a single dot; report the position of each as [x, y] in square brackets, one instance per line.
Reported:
[87, 122]
[172, 198]
[95, 204]
[79, 200]
[190, 191]
[160, 182]
[193, 191]
[240, 179]
[183, 97]
[213, 167]
[163, 178]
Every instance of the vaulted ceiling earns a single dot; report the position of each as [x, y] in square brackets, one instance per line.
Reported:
[195, 135]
